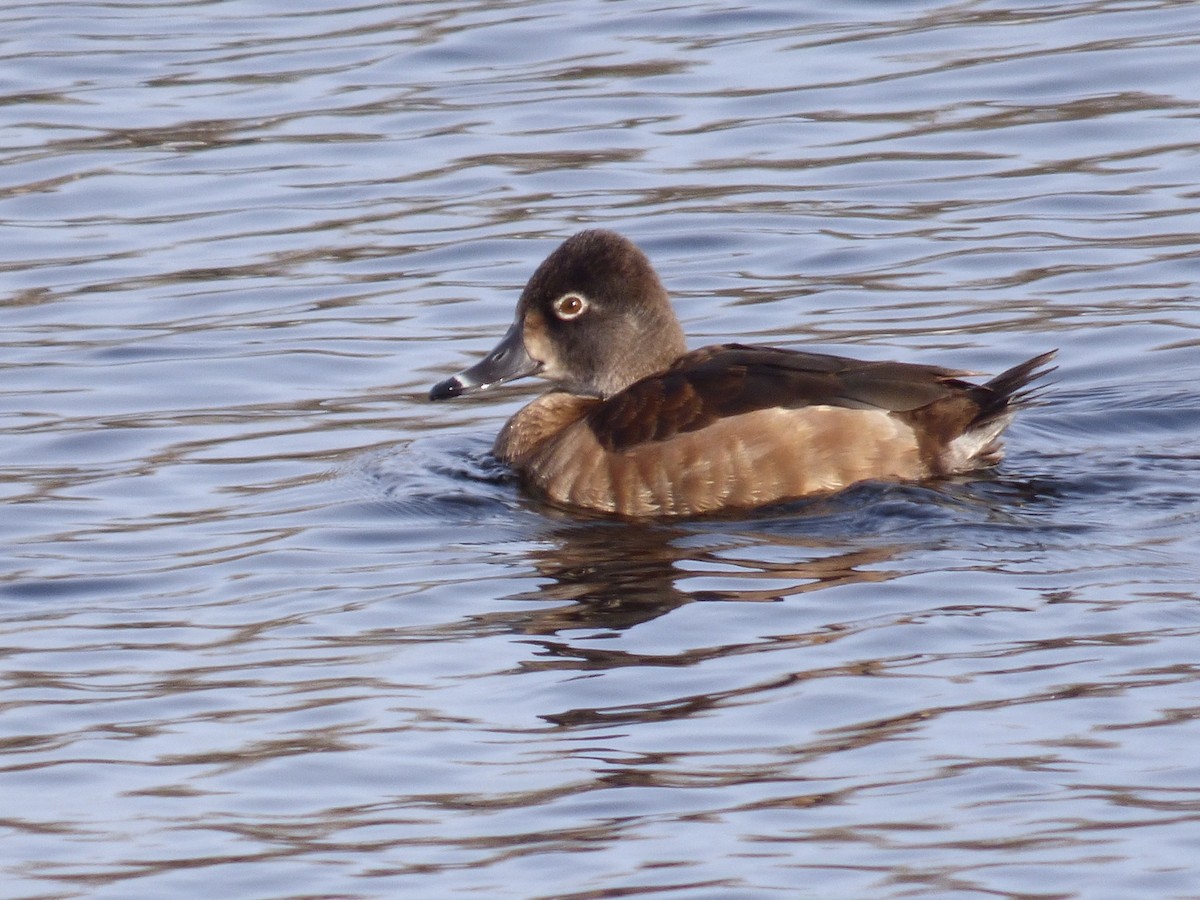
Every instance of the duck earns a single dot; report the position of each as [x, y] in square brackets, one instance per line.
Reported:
[635, 425]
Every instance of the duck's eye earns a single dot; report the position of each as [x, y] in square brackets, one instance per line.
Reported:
[569, 306]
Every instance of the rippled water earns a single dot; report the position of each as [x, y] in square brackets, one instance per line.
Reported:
[271, 622]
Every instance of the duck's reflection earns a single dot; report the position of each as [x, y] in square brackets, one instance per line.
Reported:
[610, 575]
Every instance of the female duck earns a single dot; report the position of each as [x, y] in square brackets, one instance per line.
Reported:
[636, 425]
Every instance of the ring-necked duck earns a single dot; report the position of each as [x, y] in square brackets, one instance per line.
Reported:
[636, 425]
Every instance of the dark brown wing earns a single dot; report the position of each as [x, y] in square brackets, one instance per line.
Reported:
[729, 380]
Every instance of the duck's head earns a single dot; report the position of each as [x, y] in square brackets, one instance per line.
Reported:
[593, 319]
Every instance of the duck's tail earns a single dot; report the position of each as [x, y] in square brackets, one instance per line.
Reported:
[998, 400]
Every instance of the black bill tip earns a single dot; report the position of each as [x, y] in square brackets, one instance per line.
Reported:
[444, 390]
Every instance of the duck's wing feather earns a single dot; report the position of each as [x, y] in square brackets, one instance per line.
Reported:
[723, 381]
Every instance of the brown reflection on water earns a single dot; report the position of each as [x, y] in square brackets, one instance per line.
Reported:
[615, 577]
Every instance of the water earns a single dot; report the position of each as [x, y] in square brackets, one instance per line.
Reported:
[271, 622]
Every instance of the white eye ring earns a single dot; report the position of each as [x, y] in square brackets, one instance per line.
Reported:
[570, 306]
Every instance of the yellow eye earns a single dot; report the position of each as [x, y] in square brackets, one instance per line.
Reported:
[568, 306]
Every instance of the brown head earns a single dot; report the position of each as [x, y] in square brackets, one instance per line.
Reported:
[593, 319]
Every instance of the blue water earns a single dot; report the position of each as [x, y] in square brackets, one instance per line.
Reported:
[272, 622]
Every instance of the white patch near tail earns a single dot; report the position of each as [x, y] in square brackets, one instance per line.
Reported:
[977, 447]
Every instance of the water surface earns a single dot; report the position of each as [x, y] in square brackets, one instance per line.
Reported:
[271, 621]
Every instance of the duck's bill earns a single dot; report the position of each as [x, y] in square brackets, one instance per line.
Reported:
[507, 362]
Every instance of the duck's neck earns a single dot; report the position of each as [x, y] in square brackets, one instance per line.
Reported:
[655, 343]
